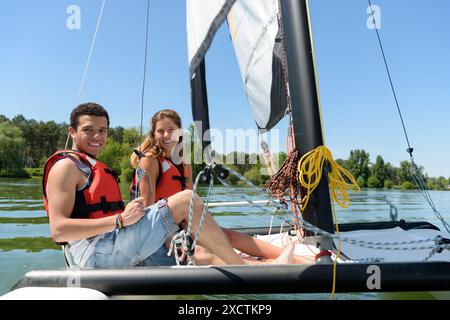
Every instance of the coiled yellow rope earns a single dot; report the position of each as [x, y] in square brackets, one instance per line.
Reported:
[310, 168]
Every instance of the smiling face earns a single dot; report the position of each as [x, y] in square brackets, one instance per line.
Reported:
[90, 135]
[167, 134]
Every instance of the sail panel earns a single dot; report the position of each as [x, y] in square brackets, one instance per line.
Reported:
[203, 18]
[255, 34]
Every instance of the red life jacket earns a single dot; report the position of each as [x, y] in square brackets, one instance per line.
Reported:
[100, 197]
[170, 180]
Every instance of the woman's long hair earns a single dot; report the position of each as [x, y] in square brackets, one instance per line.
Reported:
[150, 145]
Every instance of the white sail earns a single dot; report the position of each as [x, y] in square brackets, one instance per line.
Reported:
[203, 18]
[254, 30]
[253, 26]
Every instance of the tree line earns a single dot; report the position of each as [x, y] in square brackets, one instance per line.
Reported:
[26, 144]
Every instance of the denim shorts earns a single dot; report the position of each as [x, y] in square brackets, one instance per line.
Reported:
[141, 244]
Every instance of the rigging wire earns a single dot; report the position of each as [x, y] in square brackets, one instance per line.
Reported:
[86, 66]
[414, 169]
[144, 75]
[390, 79]
[139, 171]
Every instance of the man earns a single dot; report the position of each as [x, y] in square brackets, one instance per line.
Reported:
[85, 207]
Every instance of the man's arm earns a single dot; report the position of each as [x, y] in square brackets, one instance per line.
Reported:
[62, 184]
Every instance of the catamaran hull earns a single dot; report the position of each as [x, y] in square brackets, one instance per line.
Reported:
[358, 277]
[351, 275]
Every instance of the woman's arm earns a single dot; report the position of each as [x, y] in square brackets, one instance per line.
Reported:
[148, 181]
[190, 180]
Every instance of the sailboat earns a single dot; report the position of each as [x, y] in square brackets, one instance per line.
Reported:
[274, 47]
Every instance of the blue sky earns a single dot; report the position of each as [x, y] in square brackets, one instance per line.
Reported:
[42, 63]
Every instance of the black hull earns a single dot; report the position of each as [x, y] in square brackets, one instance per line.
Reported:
[314, 278]
[395, 277]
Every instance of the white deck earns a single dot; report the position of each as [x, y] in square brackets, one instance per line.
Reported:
[356, 252]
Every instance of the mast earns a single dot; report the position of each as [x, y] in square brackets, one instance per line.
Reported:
[200, 113]
[306, 117]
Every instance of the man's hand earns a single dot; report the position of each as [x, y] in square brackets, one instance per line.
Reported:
[133, 212]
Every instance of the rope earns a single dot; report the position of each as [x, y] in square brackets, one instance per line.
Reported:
[86, 66]
[394, 246]
[337, 254]
[310, 168]
[417, 176]
[179, 240]
[286, 178]
[205, 211]
[242, 196]
[188, 246]
[251, 185]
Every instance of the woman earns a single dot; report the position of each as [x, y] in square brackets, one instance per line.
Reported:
[164, 171]
[166, 174]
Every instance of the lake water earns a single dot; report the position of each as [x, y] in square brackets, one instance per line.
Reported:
[25, 237]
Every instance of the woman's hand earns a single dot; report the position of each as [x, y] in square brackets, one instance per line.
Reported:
[133, 212]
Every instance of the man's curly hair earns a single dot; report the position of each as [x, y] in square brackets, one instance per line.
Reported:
[87, 109]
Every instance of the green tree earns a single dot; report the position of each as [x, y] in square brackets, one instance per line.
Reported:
[404, 173]
[49, 133]
[361, 182]
[378, 170]
[116, 134]
[358, 163]
[132, 137]
[3, 118]
[41, 139]
[19, 120]
[254, 175]
[442, 183]
[343, 163]
[112, 155]
[373, 182]
[407, 185]
[437, 183]
[281, 157]
[391, 173]
[388, 184]
[12, 147]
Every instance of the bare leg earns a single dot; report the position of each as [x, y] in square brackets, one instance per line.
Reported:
[218, 245]
[204, 257]
[252, 246]
[211, 236]
[259, 248]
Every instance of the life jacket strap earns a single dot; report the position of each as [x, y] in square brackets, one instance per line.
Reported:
[103, 205]
[114, 173]
[182, 179]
